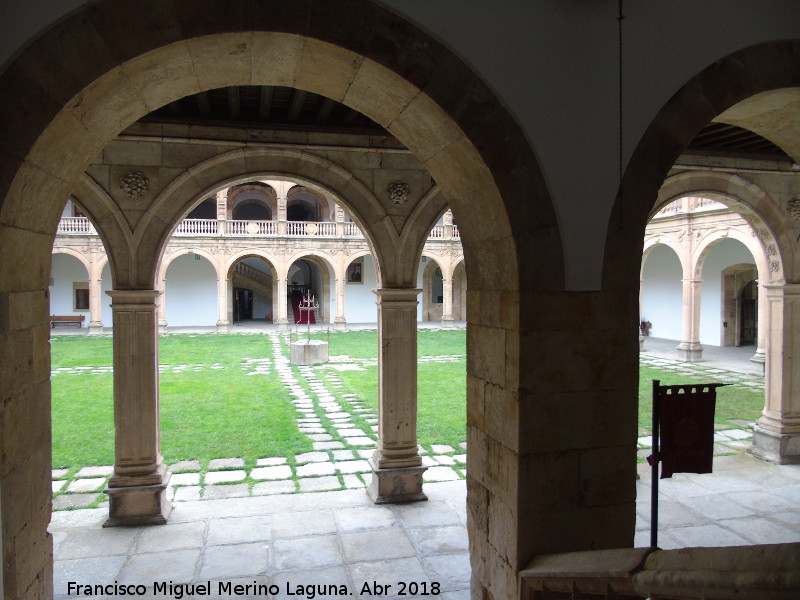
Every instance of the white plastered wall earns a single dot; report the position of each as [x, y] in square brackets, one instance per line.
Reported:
[723, 254]
[66, 271]
[191, 292]
[662, 296]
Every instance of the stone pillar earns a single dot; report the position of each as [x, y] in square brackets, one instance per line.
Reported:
[137, 489]
[762, 327]
[161, 306]
[223, 297]
[339, 321]
[283, 228]
[396, 464]
[641, 316]
[282, 321]
[690, 350]
[776, 435]
[447, 299]
[95, 298]
[339, 218]
[222, 211]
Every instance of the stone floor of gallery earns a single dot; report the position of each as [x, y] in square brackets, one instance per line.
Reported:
[272, 533]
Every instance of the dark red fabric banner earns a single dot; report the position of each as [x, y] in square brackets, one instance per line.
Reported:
[687, 428]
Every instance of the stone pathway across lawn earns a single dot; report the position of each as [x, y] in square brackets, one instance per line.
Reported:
[341, 428]
[343, 433]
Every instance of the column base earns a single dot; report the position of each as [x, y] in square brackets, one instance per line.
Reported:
[690, 352]
[759, 357]
[282, 325]
[340, 325]
[395, 486]
[138, 504]
[95, 328]
[779, 448]
[447, 321]
[162, 327]
[222, 327]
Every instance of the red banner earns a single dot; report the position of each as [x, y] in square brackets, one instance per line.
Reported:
[686, 418]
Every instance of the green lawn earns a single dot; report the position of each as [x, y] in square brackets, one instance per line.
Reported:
[224, 412]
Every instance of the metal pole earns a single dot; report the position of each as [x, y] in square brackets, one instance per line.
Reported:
[654, 467]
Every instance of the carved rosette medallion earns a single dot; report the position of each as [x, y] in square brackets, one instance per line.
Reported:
[311, 229]
[398, 192]
[252, 228]
[793, 208]
[134, 184]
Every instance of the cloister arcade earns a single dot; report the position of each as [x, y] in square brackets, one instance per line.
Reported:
[554, 260]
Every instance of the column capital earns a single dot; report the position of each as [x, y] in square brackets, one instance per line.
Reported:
[397, 295]
[133, 297]
[787, 288]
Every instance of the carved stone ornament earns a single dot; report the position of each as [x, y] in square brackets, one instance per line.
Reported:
[252, 227]
[311, 229]
[399, 192]
[135, 184]
[793, 208]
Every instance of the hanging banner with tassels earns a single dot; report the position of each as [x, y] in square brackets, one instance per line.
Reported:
[686, 424]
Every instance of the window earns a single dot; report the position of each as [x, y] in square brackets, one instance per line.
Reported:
[81, 296]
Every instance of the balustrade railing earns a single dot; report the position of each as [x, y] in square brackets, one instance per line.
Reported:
[191, 227]
[352, 230]
[75, 226]
[197, 227]
[251, 227]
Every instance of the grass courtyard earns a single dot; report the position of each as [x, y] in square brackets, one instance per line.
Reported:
[222, 397]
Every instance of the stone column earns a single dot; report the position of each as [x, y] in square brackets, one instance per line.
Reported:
[762, 327]
[283, 228]
[396, 464]
[339, 321]
[223, 297]
[339, 218]
[282, 321]
[222, 211]
[447, 299]
[776, 435]
[641, 316]
[161, 306]
[689, 349]
[95, 298]
[137, 488]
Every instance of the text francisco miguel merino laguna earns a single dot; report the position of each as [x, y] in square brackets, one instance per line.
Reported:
[226, 588]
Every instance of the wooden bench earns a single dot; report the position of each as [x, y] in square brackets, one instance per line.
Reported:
[66, 319]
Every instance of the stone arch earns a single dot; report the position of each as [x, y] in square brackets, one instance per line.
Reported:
[188, 302]
[228, 274]
[326, 265]
[705, 245]
[253, 163]
[84, 260]
[747, 73]
[167, 259]
[301, 194]
[430, 312]
[120, 69]
[745, 198]
[664, 240]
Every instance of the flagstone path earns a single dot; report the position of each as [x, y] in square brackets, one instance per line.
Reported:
[341, 428]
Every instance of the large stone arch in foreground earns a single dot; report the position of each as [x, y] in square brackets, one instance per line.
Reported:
[757, 88]
[86, 79]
